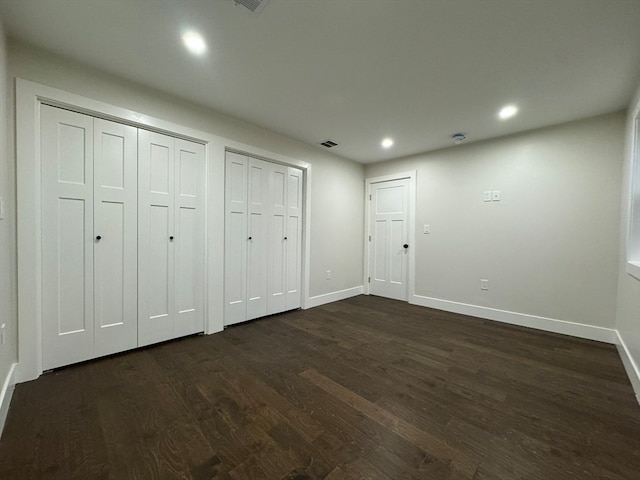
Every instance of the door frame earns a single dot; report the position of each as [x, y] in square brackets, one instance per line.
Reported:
[29, 97]
[411, 215]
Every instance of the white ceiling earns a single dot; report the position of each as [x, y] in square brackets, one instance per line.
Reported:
[356, 71]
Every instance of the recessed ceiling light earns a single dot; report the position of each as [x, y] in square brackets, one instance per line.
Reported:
[387, 143]
[507, 112]
[194, 42]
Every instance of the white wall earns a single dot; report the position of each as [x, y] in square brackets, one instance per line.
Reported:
[336, 238]
[549, 248]
[628, 312]
[8, 301]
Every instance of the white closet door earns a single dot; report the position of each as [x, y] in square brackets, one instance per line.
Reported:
[156, 201]
[277, 250]
[294, 239]
[388, 249]
[67, 237]
[258, 238]
[235, 239]
[189, 237]
[115, 225]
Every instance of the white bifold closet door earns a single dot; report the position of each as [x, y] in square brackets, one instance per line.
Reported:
[263, 238]
[89, 237]
[170, 238]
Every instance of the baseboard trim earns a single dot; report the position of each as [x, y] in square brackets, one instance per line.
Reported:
[581, 330]
[631, 367]
[333, 297]
[5, 395]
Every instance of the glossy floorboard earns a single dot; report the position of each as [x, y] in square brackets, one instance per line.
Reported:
[365, 388]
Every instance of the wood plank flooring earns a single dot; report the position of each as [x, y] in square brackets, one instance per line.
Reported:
[365, 388]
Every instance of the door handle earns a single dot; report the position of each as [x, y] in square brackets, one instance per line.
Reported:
[98, 237]
[406, 245]
[285, 238]
[250, 238]
[171, 238]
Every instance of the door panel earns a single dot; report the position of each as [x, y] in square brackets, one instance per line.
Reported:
[294, 239]
[257, 232]
[189, 238]
[276, 283]
[115, 254]
[235, 238]
[67, 237]
[156, 201]
[389, 213]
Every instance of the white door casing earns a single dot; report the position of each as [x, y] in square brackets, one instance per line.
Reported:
[389, 233]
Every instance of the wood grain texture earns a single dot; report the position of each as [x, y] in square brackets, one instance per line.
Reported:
[364, 388]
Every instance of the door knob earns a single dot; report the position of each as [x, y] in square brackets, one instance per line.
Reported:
[171, 238]
[406, 245]
[98, 237]
[250, 238]
[285, 238]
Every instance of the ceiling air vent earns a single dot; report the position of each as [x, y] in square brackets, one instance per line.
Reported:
[328, 143]
[254, 6]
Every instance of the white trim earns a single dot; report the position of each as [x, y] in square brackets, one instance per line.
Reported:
[333, 297]
[632, 166]
[5, 395]
[630, 366]
[581, 330]
[411, 273]
[29, 97]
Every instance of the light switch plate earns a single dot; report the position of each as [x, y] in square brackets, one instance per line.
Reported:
[427, 229]
[1, 208]
[487, 195]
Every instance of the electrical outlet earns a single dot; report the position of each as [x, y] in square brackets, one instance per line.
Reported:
[2, 333]
[484, 284]
[496, 196]
[328, 274]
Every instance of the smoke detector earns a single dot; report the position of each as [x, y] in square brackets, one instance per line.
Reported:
[458, 138]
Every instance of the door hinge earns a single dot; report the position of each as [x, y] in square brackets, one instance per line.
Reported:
[369, 280]
[369, 196]
[369, 237]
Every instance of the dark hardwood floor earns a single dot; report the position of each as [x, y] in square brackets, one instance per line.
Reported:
[365, 388]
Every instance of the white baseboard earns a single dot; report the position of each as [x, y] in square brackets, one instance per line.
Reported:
[333, 297]
[581, 330]
[631, 367]
[6, 394]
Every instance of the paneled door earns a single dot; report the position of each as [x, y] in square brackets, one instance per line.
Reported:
[89, 236]
[263, 238]
[389, 232]
[67, 237]
[170, 237]
[115, 237]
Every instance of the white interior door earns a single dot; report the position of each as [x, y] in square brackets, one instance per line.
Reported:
[189, 237]
[293, 239]
[235, 238]
[115, 149]
[67, 237]
[156, 203]
[257, 229]
[277, 254]
[389, 231]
